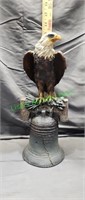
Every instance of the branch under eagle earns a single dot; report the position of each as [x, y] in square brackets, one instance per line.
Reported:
[44, 65]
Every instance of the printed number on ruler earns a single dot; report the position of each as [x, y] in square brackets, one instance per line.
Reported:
[47, 8]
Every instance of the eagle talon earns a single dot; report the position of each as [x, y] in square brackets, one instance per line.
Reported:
[40, 100]
[51, 98]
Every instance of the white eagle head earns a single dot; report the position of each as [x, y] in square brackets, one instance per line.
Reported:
[44, 46]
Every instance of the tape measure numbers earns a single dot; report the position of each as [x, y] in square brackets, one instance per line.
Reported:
[47, 8]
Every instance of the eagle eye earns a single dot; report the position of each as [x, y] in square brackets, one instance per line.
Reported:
[50, 35]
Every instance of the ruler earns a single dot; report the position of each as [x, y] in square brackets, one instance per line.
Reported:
[47, 10]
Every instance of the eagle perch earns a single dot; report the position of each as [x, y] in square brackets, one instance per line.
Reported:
[44, 65]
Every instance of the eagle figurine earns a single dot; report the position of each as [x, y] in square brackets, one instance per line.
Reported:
[44, 65]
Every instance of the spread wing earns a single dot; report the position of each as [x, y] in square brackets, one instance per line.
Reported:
[59, 66]
[28, 64]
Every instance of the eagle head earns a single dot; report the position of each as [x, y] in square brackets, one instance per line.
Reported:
[50, 37]
[44, 46]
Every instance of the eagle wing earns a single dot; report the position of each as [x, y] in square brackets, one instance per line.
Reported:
[59, 66]
[28, 64]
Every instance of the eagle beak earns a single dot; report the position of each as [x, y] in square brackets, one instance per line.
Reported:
[55, 38]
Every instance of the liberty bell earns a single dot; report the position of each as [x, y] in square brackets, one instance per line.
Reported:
[43, 149]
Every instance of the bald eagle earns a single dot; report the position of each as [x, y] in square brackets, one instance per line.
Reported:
[44, 65]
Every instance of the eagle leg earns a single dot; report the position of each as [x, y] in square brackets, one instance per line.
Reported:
[40, 99]
[51, 93]
[41, 94]
[40, 89]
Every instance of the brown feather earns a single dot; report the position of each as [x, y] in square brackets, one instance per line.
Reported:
[59, 66]
[28, 64]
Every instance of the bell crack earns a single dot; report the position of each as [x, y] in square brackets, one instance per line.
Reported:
[47, 153]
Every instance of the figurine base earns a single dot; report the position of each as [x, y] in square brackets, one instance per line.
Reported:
[43, 149]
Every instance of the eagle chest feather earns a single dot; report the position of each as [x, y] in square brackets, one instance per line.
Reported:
[44, 69]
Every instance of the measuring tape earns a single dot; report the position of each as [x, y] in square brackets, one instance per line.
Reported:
[47, 8]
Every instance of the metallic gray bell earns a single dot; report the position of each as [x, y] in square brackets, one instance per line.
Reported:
[43, 149]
